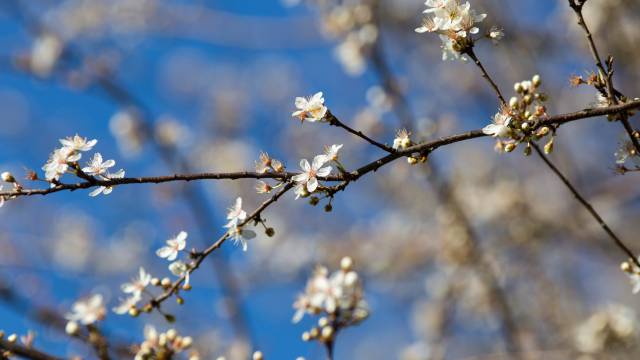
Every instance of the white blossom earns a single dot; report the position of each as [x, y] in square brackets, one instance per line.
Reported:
[87, 311]
[331, 152]
[236, 215]
[106, 190]
[137, 285]
[78, 143]
[97, 166]
[127, 304]
[240, 236]
[311, 109]
[308, 177]
[402, 140]
[500, 126]
[173, 246]
[179, 268]
[58, 162]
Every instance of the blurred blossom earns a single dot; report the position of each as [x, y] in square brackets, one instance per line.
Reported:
[73, 240]
[126, 127]
[612, 326]
[170, 132]
[45, 51]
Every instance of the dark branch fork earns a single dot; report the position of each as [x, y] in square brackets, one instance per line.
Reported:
[607, 74]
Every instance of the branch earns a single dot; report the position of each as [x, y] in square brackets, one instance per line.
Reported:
[427, 146]
[24, 352]
[607, 74]
[587, 206]
[199, 257]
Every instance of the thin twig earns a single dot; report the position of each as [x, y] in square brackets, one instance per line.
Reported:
[587, 206]
[469, 51]
[24, 351]
[199, 257]
[607, 74]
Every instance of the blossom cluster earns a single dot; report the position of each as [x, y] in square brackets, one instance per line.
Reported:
[163, 345]
[339, 297]
[612, 326]
[455, 23]
[518, 121]
[65, 160]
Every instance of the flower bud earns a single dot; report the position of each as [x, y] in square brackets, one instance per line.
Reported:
[412, 161]
[133, 312]
[7, 177]
[12, 338]
[509, 147]
[258, 355]
[165, 282]
[328, 207]
[513, 102]
[72, 328]
[518, 87]
[155, 281]
[314, 200]
[626, 267]
[306, 336]
[548, 148]
[527, 150]
[186, 342]
[179, 300]
[543, 131]
[346, 264]
[327, 333]
[323, 321]
[536, 80]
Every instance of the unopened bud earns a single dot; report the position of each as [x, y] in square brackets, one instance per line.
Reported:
[170, 318]
[179, 300]
[323, 321]
[306, 336]
[165, 282]
[327, 333]
[270, 231]
[509, 147]
[7, 177]
[314, 333]
[133, 312]
[346, 264]
[258, 355]
[626, 267]
[513, 102]
[527, 150]
[536, 80]
[548, 148]
[172, 334]
[412, 161]
[518, 87]
[314, 200]
[524, 126]
[155, 281]
[12, 338]
[72, 328]
[543, 131]
[328, 207]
